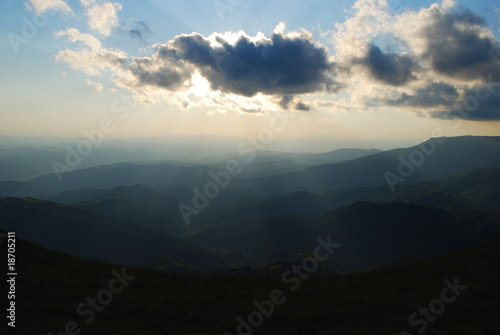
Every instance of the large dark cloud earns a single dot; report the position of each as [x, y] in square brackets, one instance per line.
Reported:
[390, 68]
[458, 47]
[479, 103]
[279, 66]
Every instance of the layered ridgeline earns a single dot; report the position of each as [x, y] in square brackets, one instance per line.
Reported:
[474, 191]
[141, 225]
[87, 232]
[52, 292]
[371, 235]
[433, 159]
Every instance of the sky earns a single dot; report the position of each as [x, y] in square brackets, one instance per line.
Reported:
[363, 70]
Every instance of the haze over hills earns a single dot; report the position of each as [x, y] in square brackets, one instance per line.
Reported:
[473, 191]
[433, 159]
[23, 158]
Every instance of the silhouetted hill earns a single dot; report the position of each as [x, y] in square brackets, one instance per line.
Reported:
[154, 302]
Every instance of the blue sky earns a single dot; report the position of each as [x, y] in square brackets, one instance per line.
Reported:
[364, 69]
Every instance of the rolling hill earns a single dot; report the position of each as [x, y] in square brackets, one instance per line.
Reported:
[154, 302]
[473, 191]
[371, 233]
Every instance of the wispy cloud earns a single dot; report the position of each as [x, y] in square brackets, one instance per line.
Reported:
[139, 31]
[41, 6]
[90, 57]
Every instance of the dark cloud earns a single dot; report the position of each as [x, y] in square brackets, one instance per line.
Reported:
[280, 66]
[390, 68]
[436, 94]
[141, 31]
[457, 46]
[480, 103]
[252, 111]
[285, 101]
[291, 102]
[302, 106]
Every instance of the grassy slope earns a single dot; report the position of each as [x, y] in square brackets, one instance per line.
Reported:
[50, 286]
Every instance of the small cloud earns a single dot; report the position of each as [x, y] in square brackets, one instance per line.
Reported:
[41, 6]
[251, 111]
[291, 102]
[102, 17]
[140, 31]
[98, 86]
[302, 106]
[90, 57]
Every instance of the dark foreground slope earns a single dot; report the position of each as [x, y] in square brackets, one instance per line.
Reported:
[50, 287]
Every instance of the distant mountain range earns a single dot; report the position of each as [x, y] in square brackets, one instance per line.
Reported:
[433, 159]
